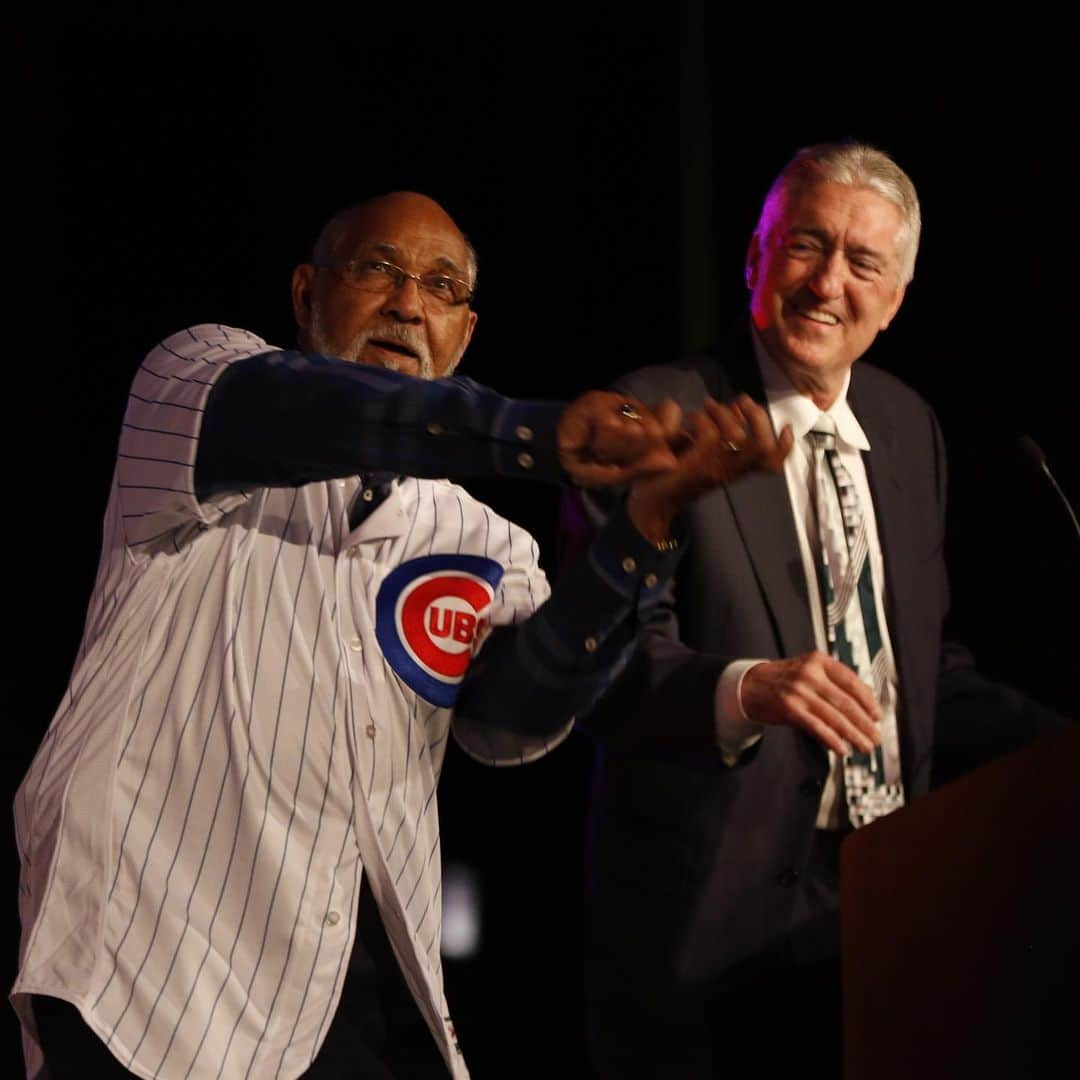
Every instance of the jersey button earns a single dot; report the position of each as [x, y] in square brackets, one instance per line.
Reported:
[591, 644]
[525, 460]
[356, 645]
[523, 433]
[650, 581]
[370, 731]
[368, 495]
[333, 918]
[629, 564]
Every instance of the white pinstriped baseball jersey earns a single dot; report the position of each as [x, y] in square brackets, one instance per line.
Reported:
[194, 827]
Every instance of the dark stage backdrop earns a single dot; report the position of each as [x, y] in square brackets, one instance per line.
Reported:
[610, 182]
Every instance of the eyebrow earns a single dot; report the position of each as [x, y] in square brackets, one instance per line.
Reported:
[862, 249]
[855, 249]
[443, 262]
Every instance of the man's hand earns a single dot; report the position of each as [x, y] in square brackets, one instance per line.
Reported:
[605, 438]
[817, 693]
[714, 447]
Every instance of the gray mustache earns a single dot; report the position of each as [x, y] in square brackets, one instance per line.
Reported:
[398, 333]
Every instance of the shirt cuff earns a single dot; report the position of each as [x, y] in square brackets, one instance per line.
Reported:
[630, 565]
[735, 732]
[526, 434]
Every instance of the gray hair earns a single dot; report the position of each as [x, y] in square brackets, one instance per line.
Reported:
[855, 165]
[327, 246]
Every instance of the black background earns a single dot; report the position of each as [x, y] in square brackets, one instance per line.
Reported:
[609, 178]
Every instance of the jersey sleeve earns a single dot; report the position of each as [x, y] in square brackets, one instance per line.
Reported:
[215, 414]
[159, 439]
[548, 656]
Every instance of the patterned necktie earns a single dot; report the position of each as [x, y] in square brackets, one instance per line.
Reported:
[851, 622]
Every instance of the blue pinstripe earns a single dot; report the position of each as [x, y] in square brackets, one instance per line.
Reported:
[251, 578]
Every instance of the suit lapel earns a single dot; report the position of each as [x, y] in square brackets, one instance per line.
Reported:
[762, 511]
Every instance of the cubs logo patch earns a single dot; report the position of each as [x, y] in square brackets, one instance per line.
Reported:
[428, 613]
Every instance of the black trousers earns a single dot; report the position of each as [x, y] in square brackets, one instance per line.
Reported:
[775, 1016]
[377, 1031]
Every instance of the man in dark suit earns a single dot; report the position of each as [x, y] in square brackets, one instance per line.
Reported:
[720, 798]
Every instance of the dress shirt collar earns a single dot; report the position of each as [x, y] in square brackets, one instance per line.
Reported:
[788, 406]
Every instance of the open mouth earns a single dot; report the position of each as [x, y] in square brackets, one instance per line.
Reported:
[395, 347]
[825, 318]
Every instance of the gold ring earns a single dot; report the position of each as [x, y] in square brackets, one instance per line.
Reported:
[628, 410]
[733, 447]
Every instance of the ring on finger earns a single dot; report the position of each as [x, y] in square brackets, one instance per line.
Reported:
[628, 410]
[733, 447]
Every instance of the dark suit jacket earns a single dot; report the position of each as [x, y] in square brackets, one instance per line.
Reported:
[692, 863]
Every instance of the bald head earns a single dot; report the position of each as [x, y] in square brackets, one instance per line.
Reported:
[396, 324]
[339, 232]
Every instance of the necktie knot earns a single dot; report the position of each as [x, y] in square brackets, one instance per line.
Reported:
[823, 434]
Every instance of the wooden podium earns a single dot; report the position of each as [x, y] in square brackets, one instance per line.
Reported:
[961, 924]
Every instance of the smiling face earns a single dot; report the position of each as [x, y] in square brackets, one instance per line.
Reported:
[825, 280]
[404, 329]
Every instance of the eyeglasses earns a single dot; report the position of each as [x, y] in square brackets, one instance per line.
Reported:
[379, 276]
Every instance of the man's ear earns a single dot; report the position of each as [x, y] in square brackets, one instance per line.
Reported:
[753, 257]
[303, 280]
[469, 328]
[894, 307]
[469, 331]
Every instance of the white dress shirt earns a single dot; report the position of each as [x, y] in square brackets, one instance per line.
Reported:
[735, 732]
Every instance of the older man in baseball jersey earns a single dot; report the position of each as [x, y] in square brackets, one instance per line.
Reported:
[230, 829]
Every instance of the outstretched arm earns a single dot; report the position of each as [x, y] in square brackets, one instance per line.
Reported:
[289, 418]
[528, 682]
